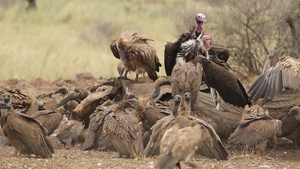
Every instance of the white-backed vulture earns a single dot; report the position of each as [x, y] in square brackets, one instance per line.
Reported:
[97, 136]
[26, 134]
[69, 133]
[135, 54]
[189, 45]
[186, 78]
[159, 128]
[179, 145]
[124, 130]
[291, 125]
[227, 85]
[147, 112]
[285, 74]
[211, 145]
[255, 129]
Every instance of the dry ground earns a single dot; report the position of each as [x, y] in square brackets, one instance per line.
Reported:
[75, 158]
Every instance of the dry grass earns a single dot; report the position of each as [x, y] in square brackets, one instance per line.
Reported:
[65, 37]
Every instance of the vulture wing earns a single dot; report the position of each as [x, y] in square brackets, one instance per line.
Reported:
[125, 133]
[285, 74]
[28, 134]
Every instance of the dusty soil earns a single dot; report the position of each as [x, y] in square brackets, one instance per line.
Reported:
[279, 157]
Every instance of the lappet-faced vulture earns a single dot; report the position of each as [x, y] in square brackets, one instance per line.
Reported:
[189, 45]
[255, 129]
[135, 54]
[285, 74]
[219, 77]
[26, 134]
[124, 130]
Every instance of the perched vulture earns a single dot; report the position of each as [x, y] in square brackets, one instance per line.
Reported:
[219, 77]
[255, 129]
[135, 54]
[189, 45]
[186, 78]
[124, 130]
[291, 125]
[69, 133]
[179, 145]
[26, 134]
[285, 74]
[97, 136]
[159, 128]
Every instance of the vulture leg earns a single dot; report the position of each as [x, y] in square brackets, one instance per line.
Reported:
[125, 75]
[214, 94]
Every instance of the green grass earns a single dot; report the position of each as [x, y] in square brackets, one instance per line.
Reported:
[62, 38]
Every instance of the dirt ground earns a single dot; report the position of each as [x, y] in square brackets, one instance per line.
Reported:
[74, 158]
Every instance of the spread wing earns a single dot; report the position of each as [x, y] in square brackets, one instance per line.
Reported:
[30, 133]
[285, 74]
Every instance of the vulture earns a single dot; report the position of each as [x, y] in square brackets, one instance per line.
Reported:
[26, 134]
[189, 45]
[88, 105]
[211, 145]
[135, 54]
[69, 133]
[97, 136]
[146, 110]
[284, 75]
[186, 78]
[217, 75]
[255, 129]
[159, 128]
[179, 145]
[124, 129]
[6, 99]
[291, 125]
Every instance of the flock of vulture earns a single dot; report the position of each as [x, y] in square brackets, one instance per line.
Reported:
[137, 124]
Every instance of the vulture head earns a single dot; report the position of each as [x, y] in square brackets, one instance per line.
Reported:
[295, 111]
[63, 90]
[71, 96]
[6, 97]
[177, 101]
[121, 68]
[200, 19]
[122, 46]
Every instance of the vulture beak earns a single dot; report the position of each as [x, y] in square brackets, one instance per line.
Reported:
[6, 98]
[130, 104]
[41, 108]
[292, 112]
[4, 106]
[61, 90]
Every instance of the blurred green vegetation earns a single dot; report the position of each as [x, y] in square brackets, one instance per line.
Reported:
[63, 37]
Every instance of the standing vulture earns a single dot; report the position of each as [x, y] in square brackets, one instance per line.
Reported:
[285, 74]
[159, 128]
[219, 77]
[135, 54]
[255, 129]
[186, 78]
[189, 45]
[26, 134]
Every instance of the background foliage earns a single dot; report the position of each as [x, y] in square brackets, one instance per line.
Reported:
[62, 38]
